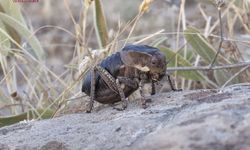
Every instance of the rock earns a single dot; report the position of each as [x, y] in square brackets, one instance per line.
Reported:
[190, 120]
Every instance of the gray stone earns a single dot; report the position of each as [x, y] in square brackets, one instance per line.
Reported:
[190, 120]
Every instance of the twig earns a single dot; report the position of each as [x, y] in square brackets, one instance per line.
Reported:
[11, 105]
[234, 76]
[205, 68]
[219, 4]
[75, 98]
[149, 36]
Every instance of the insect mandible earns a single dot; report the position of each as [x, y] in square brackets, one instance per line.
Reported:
[122, 73]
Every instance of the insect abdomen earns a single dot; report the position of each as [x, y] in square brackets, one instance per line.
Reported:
[112, 65]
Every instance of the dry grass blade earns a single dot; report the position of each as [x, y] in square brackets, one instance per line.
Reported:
[100, 25]
[87, 3]
[12, 9]
[44, 114]
[5, 42]
[234, 76]
[149, 36]
[144, 6]
[25, 33]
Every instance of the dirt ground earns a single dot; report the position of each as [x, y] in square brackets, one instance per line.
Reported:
[190, 120]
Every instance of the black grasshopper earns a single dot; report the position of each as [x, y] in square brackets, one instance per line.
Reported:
[122, 73]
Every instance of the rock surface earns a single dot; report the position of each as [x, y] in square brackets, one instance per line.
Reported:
[190, 120]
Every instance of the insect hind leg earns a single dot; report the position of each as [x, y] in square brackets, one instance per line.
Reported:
[113, 84]
[92, 91]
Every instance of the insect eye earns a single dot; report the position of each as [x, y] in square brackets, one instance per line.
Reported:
[153, 62]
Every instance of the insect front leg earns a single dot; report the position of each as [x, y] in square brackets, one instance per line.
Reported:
[122, 95]
[153, 88]
[143, 99]
[171, 84]
[142, 81]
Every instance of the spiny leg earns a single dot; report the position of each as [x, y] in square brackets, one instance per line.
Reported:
[143, 99]
[92, 90]
[153, 88]
[171, 84]
[107, 78]
[131, 83]
[122, 95]
[113, 84]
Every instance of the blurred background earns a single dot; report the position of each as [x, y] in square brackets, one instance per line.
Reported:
[49, 45]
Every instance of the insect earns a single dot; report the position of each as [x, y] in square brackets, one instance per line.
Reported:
[122, 73]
